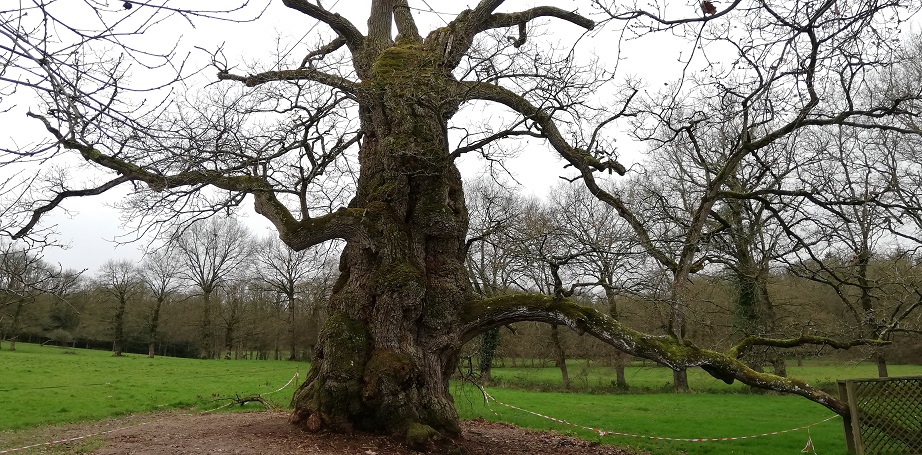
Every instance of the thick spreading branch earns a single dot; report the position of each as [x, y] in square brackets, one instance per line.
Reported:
[300, 74]
[482, 315]
[342, 224]
[406, 25]
[156, 181]
[578, 158]
[353, 37]
[458, 36]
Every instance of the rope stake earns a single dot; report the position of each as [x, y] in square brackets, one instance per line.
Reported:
[601, 432]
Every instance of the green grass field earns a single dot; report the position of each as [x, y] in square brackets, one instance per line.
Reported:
[43, 385]
[644, 379]
[670, 415]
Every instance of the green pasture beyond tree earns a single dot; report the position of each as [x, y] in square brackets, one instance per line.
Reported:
[384, 100]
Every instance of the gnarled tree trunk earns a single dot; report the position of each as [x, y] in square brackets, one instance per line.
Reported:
[391, 341]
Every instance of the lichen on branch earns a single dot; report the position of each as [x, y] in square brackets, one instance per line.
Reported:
[480, 315]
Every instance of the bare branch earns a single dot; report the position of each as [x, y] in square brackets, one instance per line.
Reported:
[60, 197]
[749, 342]
[323, 51]
[501, 20]
[354, 39]
[302, 73]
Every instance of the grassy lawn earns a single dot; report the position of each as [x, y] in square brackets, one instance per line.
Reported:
[600, 379]
[44, 385]
[670, 415]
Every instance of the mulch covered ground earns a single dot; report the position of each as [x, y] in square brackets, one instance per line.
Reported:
[269, 433]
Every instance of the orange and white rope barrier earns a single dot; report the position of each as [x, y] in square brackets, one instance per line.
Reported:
[602, 432]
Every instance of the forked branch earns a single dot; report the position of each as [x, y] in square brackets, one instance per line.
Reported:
[749, 342]
[339, 24]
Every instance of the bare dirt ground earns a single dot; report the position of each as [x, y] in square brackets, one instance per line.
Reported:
[269, 432]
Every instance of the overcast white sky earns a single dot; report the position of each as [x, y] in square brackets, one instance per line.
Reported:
[91, 225]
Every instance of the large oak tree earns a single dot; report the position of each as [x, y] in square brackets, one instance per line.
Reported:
[285, 135]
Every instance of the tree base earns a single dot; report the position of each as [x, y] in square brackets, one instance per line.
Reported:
[417, 436]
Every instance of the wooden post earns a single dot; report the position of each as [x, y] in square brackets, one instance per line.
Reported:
[853, 410]
[847, 423]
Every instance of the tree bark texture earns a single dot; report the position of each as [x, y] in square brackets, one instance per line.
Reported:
[488, 344]
[881, 360]
[118, 335]
[207, 338]
[391, 342]
[14, 326]
[292, 327]
[680, 380]
[620, 359]
[560, 356]
[154, 326]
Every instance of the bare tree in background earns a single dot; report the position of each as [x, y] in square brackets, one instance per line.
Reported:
[610, 257]
[24, 277]
[213, 252]
[287, 132]
[160, 272]
[856, 253]
[120, 280]
[288, 272]
[491, 266]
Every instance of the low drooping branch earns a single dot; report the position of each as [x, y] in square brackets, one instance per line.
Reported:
[749, 342]
[60, 197]
[482, 315]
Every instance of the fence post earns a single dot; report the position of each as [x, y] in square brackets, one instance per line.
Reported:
[847, 423]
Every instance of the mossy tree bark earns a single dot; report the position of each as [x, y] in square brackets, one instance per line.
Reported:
[667, 350]
[383, 360]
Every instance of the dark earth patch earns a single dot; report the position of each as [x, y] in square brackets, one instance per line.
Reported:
[269, 432]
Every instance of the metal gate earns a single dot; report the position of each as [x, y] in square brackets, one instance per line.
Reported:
[886, 415]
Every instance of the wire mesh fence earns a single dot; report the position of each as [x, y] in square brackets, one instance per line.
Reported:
[886, 415]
